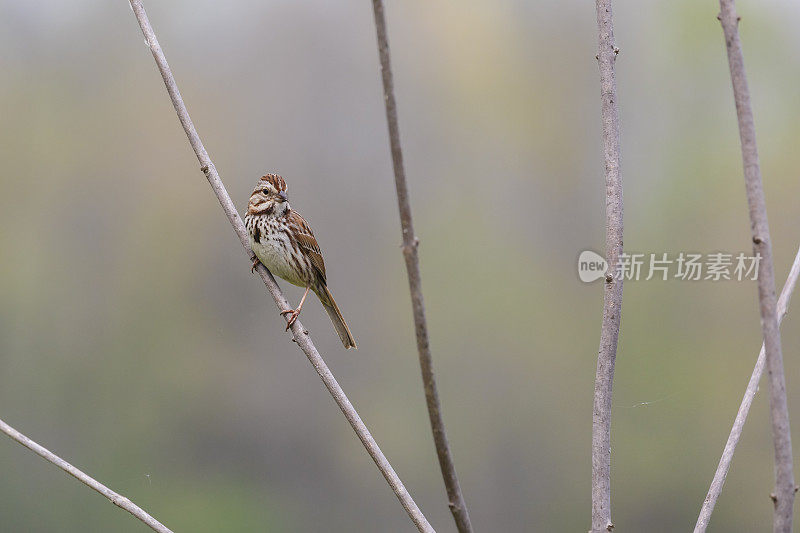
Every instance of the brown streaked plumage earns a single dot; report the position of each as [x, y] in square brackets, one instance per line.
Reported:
[283, 242]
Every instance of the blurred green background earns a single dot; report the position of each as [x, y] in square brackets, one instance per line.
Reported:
[135, 342]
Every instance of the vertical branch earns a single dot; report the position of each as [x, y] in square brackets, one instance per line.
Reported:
[612, 294]
[783, 496]
[410, 243]
[300, 335]
[738, 424]
[117, 499]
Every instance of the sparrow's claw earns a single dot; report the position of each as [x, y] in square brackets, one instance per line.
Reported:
[295, 313]
[256, 261]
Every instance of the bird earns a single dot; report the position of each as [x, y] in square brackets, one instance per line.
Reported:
[283, 242]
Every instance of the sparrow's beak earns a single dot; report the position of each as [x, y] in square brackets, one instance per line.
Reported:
[283, 196]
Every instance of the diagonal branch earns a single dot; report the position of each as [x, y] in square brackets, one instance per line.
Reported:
[612, 294]
[779, 410]
[117, 499]
[300, 335]
[410, 243]
[738, 424]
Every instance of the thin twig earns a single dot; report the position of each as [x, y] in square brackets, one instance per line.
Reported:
[738, 424]
[299, 333]
[779, 410]
[117, 499]
[410, 244]
[612, 295]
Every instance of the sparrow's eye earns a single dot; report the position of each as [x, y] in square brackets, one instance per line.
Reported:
[265, 191]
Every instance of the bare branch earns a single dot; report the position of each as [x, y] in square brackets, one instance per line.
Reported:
[612, 295]
[779, 411]
[117, 499]
[299, 333]
[749, 394]
[410, 243]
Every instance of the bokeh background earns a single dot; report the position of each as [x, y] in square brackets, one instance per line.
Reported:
[135, 342]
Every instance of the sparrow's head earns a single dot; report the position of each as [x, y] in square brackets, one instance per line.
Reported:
[269, 197]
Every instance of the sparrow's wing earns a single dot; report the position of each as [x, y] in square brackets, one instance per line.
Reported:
[307, 242]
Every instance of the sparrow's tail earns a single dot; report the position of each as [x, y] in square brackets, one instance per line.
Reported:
[339, 324]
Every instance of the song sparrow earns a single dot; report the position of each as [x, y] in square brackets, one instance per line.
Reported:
[284, 243]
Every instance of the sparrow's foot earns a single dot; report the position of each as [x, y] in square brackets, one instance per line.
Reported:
[292, 319]
[256, 261]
